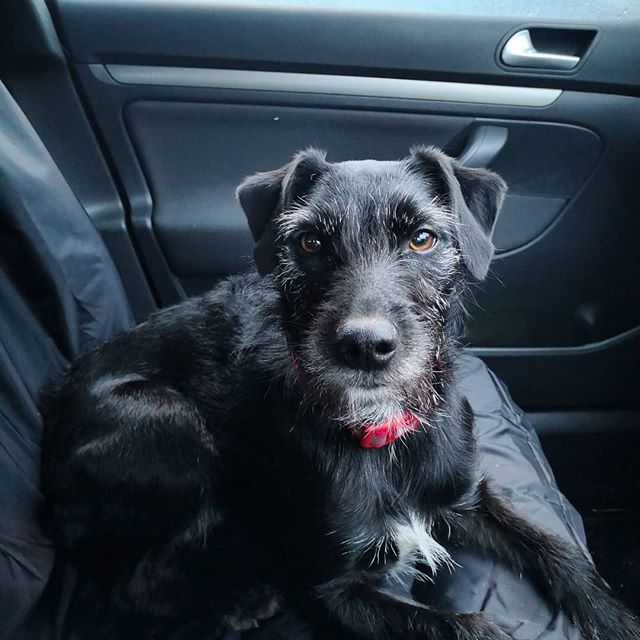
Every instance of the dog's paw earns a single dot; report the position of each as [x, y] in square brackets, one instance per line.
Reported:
[258, 604]
[236, 623]
[474, 626]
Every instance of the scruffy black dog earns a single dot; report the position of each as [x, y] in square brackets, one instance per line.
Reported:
[299, 433]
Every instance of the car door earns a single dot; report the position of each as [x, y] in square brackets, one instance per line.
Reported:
[156, 109]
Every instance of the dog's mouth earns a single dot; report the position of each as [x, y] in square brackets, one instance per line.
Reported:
[374, 411]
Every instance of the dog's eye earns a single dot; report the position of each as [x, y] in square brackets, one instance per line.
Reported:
[310, 242]
[422, 240]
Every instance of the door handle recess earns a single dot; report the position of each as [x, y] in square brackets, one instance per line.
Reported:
[519, 51]
[483, 145]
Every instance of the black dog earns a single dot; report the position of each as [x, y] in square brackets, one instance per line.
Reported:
[302, 434]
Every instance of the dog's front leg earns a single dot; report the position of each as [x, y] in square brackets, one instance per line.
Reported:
[562, 570]
[356, 607]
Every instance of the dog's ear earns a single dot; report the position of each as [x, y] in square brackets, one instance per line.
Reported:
[264, 195]
[474, 195]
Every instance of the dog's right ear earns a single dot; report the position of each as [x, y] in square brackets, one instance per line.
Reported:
[475, 197]
[264, 195]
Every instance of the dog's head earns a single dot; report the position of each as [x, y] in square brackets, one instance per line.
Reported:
[371, 259]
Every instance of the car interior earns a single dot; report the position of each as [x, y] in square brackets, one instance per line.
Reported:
[125, 126]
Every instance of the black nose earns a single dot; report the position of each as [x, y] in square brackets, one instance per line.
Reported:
[366, 342]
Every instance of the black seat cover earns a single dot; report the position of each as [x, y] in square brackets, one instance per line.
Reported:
[511, 456]
[60, 294]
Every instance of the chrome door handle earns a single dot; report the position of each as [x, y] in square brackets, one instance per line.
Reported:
[520, 52]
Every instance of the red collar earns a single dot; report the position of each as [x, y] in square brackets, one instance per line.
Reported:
[374, 435]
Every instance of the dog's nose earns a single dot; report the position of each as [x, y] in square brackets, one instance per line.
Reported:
[366, 342]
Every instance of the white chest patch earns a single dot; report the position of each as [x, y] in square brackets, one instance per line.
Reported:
[414, 542]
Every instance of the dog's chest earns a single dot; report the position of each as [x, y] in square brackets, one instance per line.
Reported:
[407, 544]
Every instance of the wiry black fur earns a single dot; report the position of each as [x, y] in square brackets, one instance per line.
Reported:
[204, 465]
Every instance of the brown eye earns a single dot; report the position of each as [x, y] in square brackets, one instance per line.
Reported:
[422, 240]
[310, 242]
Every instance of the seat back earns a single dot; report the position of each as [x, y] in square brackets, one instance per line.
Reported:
[60, 294]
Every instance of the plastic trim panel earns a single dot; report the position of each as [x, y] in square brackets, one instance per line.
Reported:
[333, 84]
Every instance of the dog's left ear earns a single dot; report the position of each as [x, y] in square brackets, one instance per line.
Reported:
[264, 195]
[474, 195]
